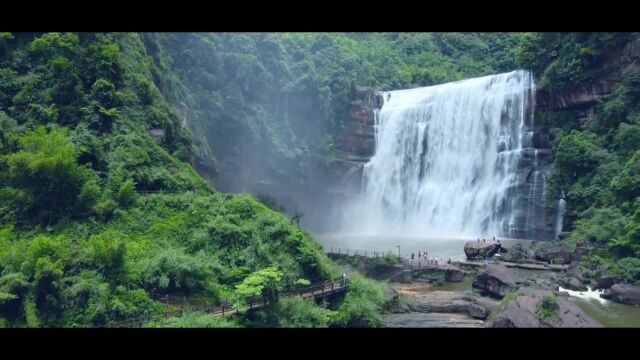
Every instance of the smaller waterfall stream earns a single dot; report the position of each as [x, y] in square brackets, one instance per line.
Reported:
[560, 217]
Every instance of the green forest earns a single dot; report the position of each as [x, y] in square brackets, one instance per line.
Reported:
[108, 200]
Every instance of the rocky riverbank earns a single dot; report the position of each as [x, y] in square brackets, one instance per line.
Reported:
[518, 288]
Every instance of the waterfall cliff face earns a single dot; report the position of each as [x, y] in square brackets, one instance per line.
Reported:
[457, 159]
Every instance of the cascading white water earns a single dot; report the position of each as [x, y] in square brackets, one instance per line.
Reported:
[447, 160]
[560, 217]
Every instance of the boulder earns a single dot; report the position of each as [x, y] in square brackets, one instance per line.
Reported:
[606, 281]
[515, 255]
[453, 275]
[554, 253]
[496, 280]
[442, 306]
[573, 283]
[478, 312]
[626, 294]
[478, 250]
[390, 294]
[522, 312]
[579, 253]
[501, 321]
[541, 283]
[573, 279]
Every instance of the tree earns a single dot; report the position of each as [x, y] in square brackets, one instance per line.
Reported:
[127, 194]
[296, 217]
[45, 169]
[266, 283]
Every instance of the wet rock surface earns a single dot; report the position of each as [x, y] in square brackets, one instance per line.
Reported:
[625, 294]
[554, 253]
[496, 280]
[431, 320]
[477, 250]
[522, 312]
[606, 281]
[477, 311]
[573, 279]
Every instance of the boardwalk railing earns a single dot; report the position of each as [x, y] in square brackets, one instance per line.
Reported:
[406, 261]
[357, 252]
[423, 264]
[226, 307]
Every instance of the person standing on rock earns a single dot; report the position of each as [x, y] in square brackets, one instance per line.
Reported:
[412, 256]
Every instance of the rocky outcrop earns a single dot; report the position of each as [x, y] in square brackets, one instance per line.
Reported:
[496, 280]
[359, 136]
[578, 97]
[573, 279]
[438, 274]
[583, 97]
[606, 281]
[554, 253]
[579, 253]
[356, 143]
[515, 254]
[478, 250]
[624, 293]
[522, 312]
[431, 320]
[477, 311]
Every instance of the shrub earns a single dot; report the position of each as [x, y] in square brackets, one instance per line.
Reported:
[296, 312]
[194, 320]
[45, 168]
[548, 309]
[362, 304]
[266, 282]
[127, 194]
[173, 270]
[629, 269]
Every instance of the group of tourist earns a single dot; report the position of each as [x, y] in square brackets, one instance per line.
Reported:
[423, 255]
[485, 240]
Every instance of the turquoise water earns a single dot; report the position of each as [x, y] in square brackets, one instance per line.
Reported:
[607, 313]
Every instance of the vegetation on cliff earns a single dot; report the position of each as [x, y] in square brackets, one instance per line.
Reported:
[100, 215]
[597, 166]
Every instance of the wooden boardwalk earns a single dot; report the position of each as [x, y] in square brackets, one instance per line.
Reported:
[317, 290]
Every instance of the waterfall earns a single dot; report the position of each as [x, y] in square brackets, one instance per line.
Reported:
[455, 159]
[560, 217]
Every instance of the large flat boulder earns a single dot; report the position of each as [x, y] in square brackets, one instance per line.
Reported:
[478, 250]
[624, 293]
[515, 254]
[496, 280]
[554, 253]
[573, 279]
[522, 312]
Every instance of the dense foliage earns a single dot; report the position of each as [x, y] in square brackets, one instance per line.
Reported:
[597, 166]
[102, 212]
[99, 215]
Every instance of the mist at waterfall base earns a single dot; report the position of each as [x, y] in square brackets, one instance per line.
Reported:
[453, 161]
